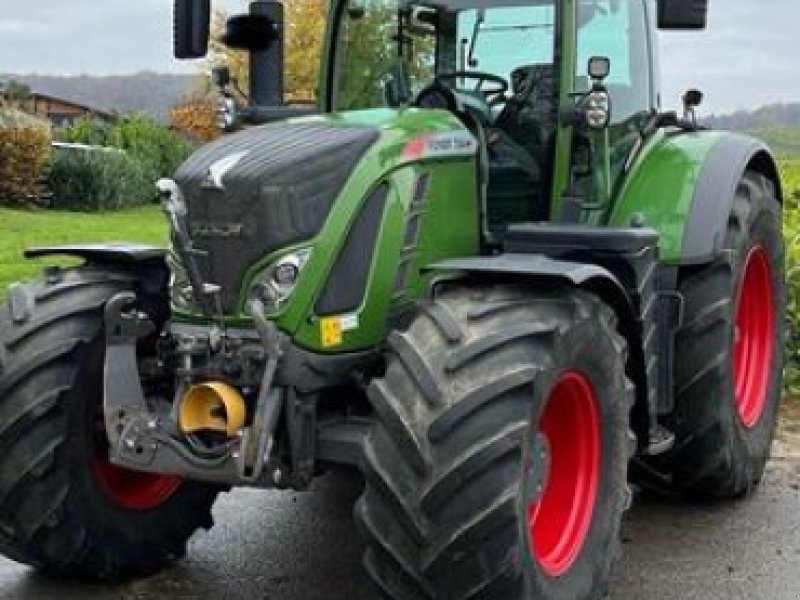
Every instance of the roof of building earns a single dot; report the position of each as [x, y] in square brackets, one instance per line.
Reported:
[83, 107]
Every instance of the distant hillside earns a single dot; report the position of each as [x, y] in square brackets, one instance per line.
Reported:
[153, 93]
[774, 115]
[778, 125]
[783, 140]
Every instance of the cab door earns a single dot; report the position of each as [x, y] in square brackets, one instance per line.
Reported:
[619, 30]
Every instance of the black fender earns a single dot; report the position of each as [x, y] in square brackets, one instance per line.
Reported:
[147, 264]
[541, 267]
[637, 315]
[715, 190]
[118, 254]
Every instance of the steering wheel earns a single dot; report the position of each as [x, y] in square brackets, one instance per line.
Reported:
[494, 95]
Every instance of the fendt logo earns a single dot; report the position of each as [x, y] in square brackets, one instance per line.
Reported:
[218, 170]
[204, 229]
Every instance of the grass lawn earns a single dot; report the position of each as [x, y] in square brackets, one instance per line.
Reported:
[20, 229]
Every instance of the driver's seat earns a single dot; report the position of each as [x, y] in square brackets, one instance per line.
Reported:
[529, 115]
[520, 149]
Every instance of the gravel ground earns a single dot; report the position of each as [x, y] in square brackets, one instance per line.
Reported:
[270, 545]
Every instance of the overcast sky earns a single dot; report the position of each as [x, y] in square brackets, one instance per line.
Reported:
[750, 55]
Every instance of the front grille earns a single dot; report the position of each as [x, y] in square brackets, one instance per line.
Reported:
[279, 187]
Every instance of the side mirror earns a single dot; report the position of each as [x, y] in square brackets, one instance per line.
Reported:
[691, 100]
[682, 14]
[192, 24]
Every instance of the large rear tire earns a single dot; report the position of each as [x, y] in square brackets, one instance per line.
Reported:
[729, 353]
[497, 466]
[63, 507]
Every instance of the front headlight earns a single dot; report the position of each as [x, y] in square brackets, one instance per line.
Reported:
[275, 284]
[598, 110]
[226, 113]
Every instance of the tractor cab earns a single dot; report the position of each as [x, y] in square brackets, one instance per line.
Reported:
[554, 133]
[492, 66]
[507, 69]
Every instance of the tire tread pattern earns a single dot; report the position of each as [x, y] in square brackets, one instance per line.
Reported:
[429, 517]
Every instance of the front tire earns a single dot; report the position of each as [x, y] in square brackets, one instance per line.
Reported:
[63, 508]
[497, 466]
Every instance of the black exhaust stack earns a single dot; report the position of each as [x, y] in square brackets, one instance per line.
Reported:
[261, 34]
[266, 65]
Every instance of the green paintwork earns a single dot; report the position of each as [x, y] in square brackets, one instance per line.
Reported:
[566, 37]
[660, 186]
[448, 226]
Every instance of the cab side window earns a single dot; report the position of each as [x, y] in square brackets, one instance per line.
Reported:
[616, 29]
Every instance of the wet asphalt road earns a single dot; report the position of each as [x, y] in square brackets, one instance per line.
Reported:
[270, 545]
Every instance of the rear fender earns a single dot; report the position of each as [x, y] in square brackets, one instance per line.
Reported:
[683, 186]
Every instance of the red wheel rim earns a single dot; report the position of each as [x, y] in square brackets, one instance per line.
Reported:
[559, 518]
[133, 490]
[754, 337]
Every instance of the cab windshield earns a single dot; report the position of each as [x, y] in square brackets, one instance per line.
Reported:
[388, 50]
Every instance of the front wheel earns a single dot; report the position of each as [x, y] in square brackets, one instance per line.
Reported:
[497, 466]
[63, 507]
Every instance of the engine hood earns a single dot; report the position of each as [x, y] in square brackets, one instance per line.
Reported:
[251, 193]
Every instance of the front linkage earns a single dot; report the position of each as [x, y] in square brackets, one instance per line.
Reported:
[204, 437]
[207, 434]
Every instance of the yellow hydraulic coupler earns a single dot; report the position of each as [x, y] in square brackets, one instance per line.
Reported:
[212, 406]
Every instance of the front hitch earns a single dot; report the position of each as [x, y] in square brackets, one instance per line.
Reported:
[143, 439]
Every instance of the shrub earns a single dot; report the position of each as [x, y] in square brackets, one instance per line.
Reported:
[156, 147]
[792, 232]
[195, 116]
[24, 153]
[86, 130]
[98, 180]
[144, 151]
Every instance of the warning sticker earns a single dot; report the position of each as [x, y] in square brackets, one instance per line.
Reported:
[330, 330]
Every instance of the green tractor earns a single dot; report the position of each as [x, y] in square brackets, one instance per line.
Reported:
[487, 270]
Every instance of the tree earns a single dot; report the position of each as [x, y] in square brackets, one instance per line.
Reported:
[16, 92]
[195, 116]
[375, 47]
[304, 29]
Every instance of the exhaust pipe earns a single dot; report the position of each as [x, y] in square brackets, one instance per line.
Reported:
[212, 406]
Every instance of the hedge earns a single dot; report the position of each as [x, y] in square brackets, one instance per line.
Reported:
[139, 151]
[158, 149]
[791, 177]
[98, 180]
